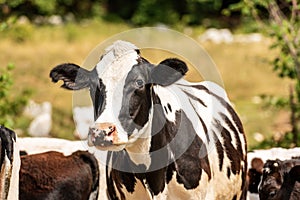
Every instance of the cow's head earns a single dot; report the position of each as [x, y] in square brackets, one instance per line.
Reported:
[279, 180]
[272, 179]
[120, 88]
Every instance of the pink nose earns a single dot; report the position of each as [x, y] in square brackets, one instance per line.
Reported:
[102, 134]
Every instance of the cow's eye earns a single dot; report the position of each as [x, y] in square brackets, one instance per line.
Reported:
[139, 83]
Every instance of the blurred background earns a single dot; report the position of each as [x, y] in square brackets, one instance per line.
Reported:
[255, 45]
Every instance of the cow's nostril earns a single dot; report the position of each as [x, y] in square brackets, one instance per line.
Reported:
[111, 130]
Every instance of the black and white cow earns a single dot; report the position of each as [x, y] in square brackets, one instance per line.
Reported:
[52, 175]
[9, 164]
[167, 138]
[280, 180]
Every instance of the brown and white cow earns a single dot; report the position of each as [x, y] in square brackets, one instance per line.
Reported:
[48, 175]
[167, 138]
[9, 164]
[52, 175]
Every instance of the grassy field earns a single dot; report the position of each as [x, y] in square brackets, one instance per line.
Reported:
[35, 50]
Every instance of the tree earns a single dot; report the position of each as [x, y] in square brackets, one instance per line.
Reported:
[11, 106]
[281, 19]
[11, 103]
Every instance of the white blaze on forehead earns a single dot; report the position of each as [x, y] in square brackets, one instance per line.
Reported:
[113, 53]
[113, 69]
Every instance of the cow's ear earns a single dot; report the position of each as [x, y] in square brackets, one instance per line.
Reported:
[168, 71]
[73, 76]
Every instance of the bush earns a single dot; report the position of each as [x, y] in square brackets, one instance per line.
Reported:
[34, 8]
[137, 12]
[284, 28]
[11, 106]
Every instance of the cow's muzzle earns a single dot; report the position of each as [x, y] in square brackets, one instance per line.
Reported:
[104, 135]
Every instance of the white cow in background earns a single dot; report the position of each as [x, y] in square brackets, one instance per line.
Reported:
[41, 124]
[83, 118]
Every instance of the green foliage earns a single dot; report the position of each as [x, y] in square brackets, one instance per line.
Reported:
[137, 12]
[147, 13]
[11, 106]
[19, 32]
[284, 142]
[45, 7]
[284, 27]
[271, 101]
[33, 8]
[63, 123]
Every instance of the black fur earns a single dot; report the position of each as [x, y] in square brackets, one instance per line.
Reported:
[280, 180]
[73, 76]
[168, 72]
[7, 139]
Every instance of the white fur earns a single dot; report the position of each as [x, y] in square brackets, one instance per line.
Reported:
[112, 69]
[9, 176]
[14, 183]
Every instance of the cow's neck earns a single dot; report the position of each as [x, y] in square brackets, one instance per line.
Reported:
[139, 150]
[152, 142]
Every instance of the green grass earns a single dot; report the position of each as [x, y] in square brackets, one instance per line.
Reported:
[36, 50]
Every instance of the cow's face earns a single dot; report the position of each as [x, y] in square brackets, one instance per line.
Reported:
[271, 179]
[120, 88]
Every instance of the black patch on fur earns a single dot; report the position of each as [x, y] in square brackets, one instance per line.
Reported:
[169, 107]
[195, 98]
[234, 197]
[220, 151]
[202, 122]
[136, 101]
[231, 152]
[233, 114]
[176, 64]
[243, 176]
[236, 135]
[7, 139]
[166, 109]
[228, 172]
[193, 158]
[124, 174]
[110, 179]
[168, 71]
[156, 178]
[170, 172]
[23, 153]
[120, 178]
[98, 95]
[235, 163]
